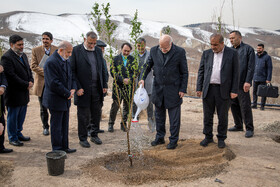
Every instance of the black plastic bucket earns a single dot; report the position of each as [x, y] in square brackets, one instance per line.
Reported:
[55, 162]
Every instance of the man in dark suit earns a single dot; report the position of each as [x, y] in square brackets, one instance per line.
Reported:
[90, 73]
[217, 82]
[60, 87]
[241, 106]
[3, 86]
[122, 73]
[20, 81]
[170, 70]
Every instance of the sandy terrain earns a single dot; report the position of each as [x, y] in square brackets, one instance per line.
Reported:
[245, 162]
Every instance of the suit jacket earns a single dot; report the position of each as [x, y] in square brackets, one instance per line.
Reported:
[246, 56]
[170, 76]
[229, 72]
[3, 82]
[81, 68]
[18, 75]
[58, 83]
[121, 72]
[149, 79]
[37, 55]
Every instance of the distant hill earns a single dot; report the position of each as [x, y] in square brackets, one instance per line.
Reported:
[193, 38]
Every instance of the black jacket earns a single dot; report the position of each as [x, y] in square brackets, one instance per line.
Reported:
[263, 68]
[229, 72]
[82, 71]
[120, 72]
[170, 76]
[58, 83]
[246, 64]
[18, 76]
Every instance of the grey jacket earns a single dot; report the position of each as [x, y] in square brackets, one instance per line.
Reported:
[150, 77]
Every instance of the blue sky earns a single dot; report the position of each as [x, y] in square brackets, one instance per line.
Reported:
[247, 13]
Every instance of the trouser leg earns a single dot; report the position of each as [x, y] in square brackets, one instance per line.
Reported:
[113, 112]
[160, 114]
[208, 113]
[175, 123]
[83, 114]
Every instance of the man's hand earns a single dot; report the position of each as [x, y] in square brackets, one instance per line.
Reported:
[71, 93]
[2, 90]
[30, 85]
[181, 94]
[1, 129]
[126, 81]
[198, 93]
[80, 92]
[246, 87]
[267, 82]
[1, 68]
[105, 90]
[233, 95]
[141, 82]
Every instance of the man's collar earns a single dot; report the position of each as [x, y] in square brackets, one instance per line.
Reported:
[20, 55]
[141, 55]
[87, 48]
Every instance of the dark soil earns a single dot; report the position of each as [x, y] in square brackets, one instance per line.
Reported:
[6, 169]
[189, 161]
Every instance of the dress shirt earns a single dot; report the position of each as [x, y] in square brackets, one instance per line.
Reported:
[216, 70]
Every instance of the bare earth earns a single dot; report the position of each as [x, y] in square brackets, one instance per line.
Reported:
[244, 162]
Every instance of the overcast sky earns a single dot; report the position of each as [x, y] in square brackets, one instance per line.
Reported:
[247, 13]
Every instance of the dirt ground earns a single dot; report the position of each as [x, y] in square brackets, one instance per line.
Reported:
[244, 162]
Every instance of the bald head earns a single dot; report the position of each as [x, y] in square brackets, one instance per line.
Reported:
[165, 43]
[64, 45]
[65, 49]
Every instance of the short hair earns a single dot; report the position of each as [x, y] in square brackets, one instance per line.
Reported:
[91, 34]
[221, 38]
[64, 45]
[140, 40]
[126, 43]
[48, 34]
[236, 32]
[15, 38]
[261, 45]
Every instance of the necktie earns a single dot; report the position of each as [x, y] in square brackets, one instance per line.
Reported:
[21, 59]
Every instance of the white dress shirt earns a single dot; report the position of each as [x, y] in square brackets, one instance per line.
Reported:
[216, 70]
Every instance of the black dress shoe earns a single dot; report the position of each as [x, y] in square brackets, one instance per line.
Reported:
[16, 143]
[221, 144]
[70, 150]
[24, 138]
[205, 142]
[111, 128]
[157, 142]
[249, 134]
[6, 150]
[85, 144]
[254, 106]
[262, 108]
[171, 146]
[100, 131]
[96, 140]
[46, 132]
[123, 128]
[234, 129]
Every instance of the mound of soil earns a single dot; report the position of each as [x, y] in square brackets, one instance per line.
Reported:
[189, 161]
[6, 169]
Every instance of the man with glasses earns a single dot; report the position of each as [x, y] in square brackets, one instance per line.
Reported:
[170, 68]
[90, 73]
